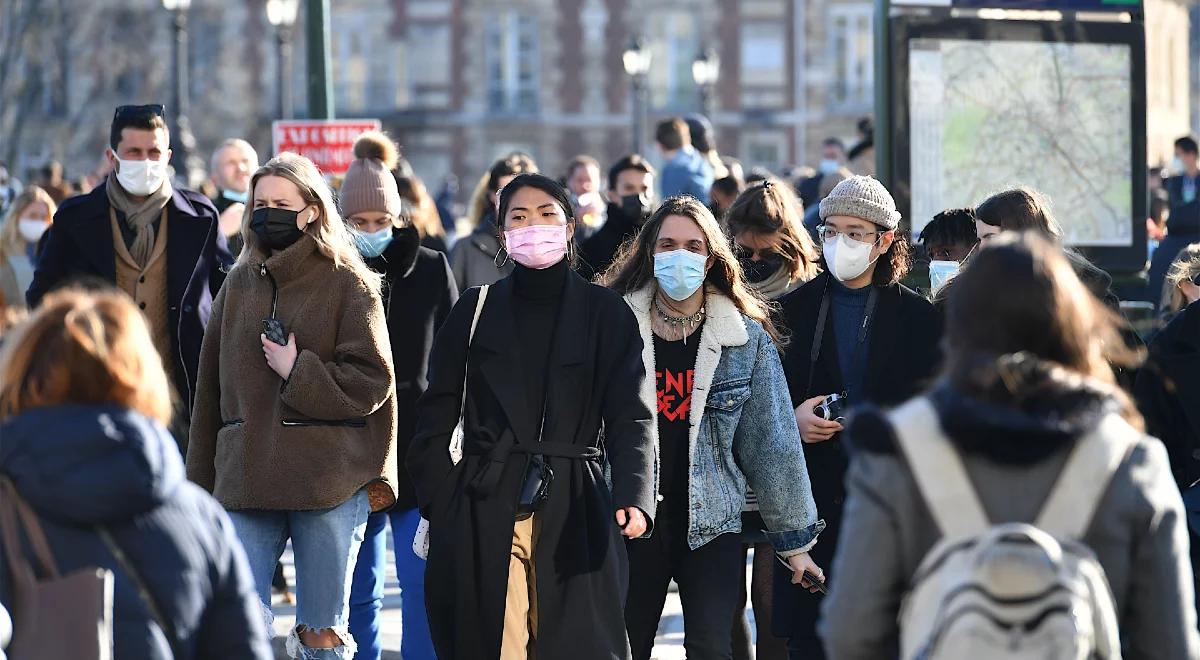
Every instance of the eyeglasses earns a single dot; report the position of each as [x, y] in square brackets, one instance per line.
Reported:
[136, 111]
[828, 233]
[765, 254]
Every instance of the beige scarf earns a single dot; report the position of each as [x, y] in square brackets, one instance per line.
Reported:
[779, 284]
[139, 216]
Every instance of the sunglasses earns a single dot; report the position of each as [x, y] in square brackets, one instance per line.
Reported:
[137, 111]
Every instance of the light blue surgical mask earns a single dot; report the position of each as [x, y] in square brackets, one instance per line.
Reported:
[940, 272]
[372, 244]
[235, 196]
[679, 272]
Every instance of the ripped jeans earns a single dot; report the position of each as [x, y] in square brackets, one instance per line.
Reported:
[325, 543]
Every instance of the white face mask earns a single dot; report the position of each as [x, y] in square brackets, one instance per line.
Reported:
[31, 229]
[847, 258]
[141, 177]
[940, 272]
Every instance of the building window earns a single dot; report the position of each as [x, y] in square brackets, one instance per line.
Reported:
[764, 149]
[764, 73]
[512, 63]
[429, 71]
[673, 41]
[851, 56]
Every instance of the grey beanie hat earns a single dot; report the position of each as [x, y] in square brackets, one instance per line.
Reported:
[862, 197]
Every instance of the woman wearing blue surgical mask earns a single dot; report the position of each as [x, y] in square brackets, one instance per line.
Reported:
[858, 334]
[508, 459]
[418, 292]
[724, 422]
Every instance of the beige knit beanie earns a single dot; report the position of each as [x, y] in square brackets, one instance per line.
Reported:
[862, 197]
[369, 185]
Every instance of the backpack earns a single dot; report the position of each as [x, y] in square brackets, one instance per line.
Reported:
[1011, 590]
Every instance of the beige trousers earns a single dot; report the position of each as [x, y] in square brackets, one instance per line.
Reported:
[520, 604]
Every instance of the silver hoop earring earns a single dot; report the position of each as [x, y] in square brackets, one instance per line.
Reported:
[501, 263]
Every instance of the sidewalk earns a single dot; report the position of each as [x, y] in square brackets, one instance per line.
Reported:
[669, 645]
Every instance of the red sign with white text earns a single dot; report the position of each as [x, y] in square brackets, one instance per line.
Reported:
[327, 142]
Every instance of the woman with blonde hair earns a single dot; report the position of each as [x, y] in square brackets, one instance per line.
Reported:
[476, 258]
[713, 349]
[1180, 288]
[26, 221]
[83, 403]
[294, 425]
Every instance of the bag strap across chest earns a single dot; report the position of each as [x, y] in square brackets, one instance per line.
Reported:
[944, 484]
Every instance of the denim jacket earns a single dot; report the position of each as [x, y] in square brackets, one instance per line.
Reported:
[745, 431]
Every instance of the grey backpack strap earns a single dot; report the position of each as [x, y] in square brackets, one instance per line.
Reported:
[1068, 510]
[938, 470]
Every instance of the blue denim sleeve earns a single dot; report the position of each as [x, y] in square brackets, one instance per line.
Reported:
[769, 452]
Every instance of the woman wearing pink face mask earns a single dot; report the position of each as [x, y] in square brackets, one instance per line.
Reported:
[525, 537]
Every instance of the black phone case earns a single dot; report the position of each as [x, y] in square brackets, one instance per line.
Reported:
[274, 331]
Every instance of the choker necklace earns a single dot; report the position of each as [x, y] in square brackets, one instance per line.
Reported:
[682, 324]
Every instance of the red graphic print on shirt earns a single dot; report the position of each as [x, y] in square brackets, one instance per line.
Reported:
[674, 393]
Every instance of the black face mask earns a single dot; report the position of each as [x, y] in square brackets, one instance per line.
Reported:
[761, 270]
[637, 208]
[275, 227]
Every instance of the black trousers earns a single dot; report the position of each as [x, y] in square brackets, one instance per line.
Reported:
[708, 580]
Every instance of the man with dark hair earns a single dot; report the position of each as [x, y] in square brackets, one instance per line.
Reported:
[51, 180]
[685, 171]
[1183, 221]
[630, 194]
[155, 242]
[724, 192]
[833, 158]
[950, 236]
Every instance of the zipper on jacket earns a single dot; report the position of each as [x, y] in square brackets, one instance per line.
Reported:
[233, 422]
[356, 423]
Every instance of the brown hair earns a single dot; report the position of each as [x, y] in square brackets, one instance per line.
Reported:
[1020, 209]
[1185, 267]
[673, 134]
[633, 268]
[1043, 312]
[489, 184]
[772, 208]
[83, 347]
[421, 209]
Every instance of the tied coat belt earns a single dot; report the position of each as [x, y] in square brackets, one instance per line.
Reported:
[488, 475]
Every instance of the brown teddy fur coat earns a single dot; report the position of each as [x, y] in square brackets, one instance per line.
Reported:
[313, 441]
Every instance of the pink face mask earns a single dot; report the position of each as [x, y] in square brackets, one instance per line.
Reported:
[537, 246]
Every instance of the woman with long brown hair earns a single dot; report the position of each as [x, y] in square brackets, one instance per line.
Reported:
[294, 425]
[423, 211]
[1025, 389]
[475, 258]
[83, 404]
[718, 383]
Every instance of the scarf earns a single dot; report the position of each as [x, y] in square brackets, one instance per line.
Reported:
[777, 285]
[139, 216]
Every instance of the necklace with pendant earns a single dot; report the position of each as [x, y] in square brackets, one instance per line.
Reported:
[682, 324]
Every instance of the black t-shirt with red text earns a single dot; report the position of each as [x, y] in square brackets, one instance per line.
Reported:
[674, 371]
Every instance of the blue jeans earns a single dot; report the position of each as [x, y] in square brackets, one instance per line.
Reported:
[366, 594]
[325, 543]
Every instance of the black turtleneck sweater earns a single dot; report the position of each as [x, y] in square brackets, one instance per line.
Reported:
[537, 297]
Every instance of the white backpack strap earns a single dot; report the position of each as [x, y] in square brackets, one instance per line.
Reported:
[1068, 510]
[938, 470]
[483, 291]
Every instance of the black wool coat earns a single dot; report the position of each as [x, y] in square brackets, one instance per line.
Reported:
[79, 247]
[595, 375]
[418, 293]
[902, 354]
[1168, 393]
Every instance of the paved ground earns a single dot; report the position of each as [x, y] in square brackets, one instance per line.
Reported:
[669, 645]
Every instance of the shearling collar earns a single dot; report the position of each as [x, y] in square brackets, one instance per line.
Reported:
[288, 263]
[723, 323]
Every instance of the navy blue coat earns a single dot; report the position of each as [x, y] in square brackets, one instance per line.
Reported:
[1183, 229]
[82, 466]
[79, 246]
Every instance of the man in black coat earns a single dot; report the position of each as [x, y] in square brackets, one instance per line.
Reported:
[856, 332]
[158, 243]
[232, 165]
[630, 187]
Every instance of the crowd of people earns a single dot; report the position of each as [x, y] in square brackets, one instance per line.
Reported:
[613, 380]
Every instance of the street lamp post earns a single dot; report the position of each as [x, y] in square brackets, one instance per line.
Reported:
[281, 14]
[636, 60]
[706, 68]
[184, 142]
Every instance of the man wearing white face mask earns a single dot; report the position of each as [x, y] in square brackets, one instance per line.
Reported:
[158, 243]
[857, 333]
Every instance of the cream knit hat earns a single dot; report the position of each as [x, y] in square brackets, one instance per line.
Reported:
[369, 185]
[865, 198]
